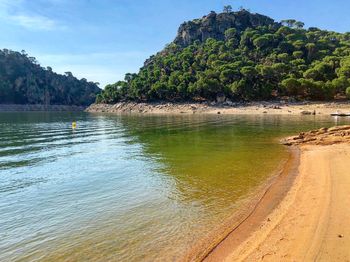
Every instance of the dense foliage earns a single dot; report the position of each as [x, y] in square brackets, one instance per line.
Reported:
[24, 81]
[259, 63]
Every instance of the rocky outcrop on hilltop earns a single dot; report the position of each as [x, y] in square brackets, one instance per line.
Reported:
[214, 26]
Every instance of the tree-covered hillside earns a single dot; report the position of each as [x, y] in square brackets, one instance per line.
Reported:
[24, 81]
[242, 56]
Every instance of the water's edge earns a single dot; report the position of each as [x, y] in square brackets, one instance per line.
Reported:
[253, 211]
[261, 107]
[39, 107]
[142, 187]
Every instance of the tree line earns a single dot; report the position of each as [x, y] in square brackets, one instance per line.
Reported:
[24, 81]
[261, 63]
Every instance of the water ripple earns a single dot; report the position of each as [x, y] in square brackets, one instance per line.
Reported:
[128, 188]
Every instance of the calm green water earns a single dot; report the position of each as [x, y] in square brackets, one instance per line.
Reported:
[128, 188]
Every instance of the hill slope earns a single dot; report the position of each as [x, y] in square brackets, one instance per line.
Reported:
[24, 81]
[241, 56]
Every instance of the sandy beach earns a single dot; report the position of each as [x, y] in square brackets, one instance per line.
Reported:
[269, 108]
[311, 223]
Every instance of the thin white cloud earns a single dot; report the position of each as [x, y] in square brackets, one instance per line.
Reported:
[34, 22]
[10, 3]
[14, 12]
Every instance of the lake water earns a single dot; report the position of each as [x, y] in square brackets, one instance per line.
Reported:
[129, 188]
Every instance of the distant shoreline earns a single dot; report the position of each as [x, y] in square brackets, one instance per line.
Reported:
[268, 108]
[40, 108]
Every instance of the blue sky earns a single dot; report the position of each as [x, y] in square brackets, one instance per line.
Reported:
[102, 40]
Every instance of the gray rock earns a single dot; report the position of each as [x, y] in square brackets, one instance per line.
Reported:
[306, 113]
[229, 102]
[214, 26]
[221, 98]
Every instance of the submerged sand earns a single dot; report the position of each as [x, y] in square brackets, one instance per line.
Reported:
[311, 223]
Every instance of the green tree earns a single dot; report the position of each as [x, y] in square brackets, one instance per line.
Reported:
[291, 86]
[299, 24]
[261, 42]
[227, 9]
[24, 81]
[245, 62]
[289, 22]
[348, 92]
[230, 34]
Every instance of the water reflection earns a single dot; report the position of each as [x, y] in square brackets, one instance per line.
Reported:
[128, 188]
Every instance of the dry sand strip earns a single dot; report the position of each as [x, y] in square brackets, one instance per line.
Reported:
[312, 222]
[263, 108]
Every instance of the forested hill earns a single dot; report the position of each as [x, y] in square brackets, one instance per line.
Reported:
[24, 81]
[242, 56]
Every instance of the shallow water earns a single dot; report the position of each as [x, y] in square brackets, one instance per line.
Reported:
[129, 188]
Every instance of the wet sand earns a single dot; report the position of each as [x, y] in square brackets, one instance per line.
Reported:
[311, 223]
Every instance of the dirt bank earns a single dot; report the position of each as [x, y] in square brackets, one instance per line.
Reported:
[224, 108]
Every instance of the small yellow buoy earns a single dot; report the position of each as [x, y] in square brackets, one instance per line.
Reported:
[74, 125]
